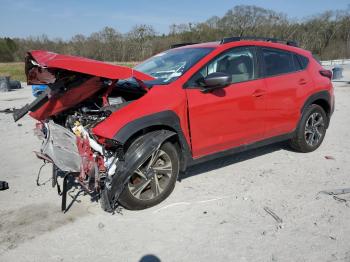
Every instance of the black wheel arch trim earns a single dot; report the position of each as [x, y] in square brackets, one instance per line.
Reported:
[321, 95]
[137, 154]
[166, 118]
[324, 95]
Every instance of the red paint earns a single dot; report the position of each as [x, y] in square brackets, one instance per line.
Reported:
[226, 118]
[60, 102]
[239, 114]
[85, 65]
[68, 99]
[87, 158]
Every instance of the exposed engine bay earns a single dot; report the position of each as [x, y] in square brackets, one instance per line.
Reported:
[70, 145]
[81, 94]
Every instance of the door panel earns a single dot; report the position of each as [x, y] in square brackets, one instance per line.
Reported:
[227, 117]
[283, 100]
[230, 116]
[285, 82]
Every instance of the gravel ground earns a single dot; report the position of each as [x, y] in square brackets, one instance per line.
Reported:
[216, 212]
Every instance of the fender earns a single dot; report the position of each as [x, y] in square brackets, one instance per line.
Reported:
[166, 118]
[322, 95]
[138, 153]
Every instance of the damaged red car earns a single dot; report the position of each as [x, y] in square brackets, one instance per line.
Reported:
[125, 134]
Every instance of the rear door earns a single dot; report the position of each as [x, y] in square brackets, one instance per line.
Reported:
[231, 116]
[285, 80]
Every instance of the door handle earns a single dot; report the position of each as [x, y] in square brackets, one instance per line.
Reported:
[259, 93]
[302, 82]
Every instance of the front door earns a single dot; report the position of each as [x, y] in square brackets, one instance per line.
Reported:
[231, 116]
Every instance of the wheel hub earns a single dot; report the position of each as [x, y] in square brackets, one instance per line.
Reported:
[150, 173]
[152, 177]
[314, 129]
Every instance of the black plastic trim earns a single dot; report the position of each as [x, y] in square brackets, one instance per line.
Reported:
[35, 105]
[256, 38]
[242, 148]
[181, 44]
[165, 118]
[324, 95]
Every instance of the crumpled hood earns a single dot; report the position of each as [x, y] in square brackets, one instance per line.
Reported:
[70, 79]
[50, 60]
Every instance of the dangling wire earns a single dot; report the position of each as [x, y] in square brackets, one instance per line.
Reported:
[38, 176]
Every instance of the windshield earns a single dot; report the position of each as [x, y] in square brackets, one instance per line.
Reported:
[170, 65]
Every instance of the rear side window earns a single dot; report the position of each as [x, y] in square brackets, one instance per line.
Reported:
[297, 62]
[279, 62]
[304, 61]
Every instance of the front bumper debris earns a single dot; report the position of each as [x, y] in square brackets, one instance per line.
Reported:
[94, 172]
[61, 148]
[137, 154]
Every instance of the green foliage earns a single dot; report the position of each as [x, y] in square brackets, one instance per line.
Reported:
[7, 49]
[327, 35]
[14, 70]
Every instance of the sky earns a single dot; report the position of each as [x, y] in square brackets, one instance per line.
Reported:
[65, 18]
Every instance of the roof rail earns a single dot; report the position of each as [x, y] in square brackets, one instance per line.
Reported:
[181, 44]
[254, 38]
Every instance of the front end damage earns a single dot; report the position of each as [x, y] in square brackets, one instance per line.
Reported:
[81, 94]
[99, 171]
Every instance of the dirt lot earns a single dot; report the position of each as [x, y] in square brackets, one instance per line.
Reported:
[216, 212]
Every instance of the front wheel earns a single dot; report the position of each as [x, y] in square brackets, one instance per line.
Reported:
[311, 130]
[153, 181]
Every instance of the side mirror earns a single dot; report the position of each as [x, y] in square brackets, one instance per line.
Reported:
[215, 81]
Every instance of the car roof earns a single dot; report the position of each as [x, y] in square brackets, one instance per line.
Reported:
[200, 45]
[218, 44]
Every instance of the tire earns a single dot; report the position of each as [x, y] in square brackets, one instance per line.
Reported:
[311, 129]
[133, 198]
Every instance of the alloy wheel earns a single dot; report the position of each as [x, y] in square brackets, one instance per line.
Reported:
[314, 129]
[152, 177]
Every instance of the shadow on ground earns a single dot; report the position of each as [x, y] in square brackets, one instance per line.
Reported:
[74, 190]
[233, 159]
[26, 223]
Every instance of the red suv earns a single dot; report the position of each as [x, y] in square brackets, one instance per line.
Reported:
[125, 133]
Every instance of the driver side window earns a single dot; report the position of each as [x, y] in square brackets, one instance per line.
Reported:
[239, 63]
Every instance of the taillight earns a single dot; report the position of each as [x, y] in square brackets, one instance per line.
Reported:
[326, 73]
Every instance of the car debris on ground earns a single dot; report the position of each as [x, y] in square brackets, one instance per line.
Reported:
[7, 111]
[4, 185]
[333, 192]
[6, 84]
[275, 217]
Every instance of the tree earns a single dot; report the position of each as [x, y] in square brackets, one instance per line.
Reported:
[7, 49]
[326, 35]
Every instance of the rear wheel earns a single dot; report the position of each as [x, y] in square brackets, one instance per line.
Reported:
[311, 130]
[153, 181]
